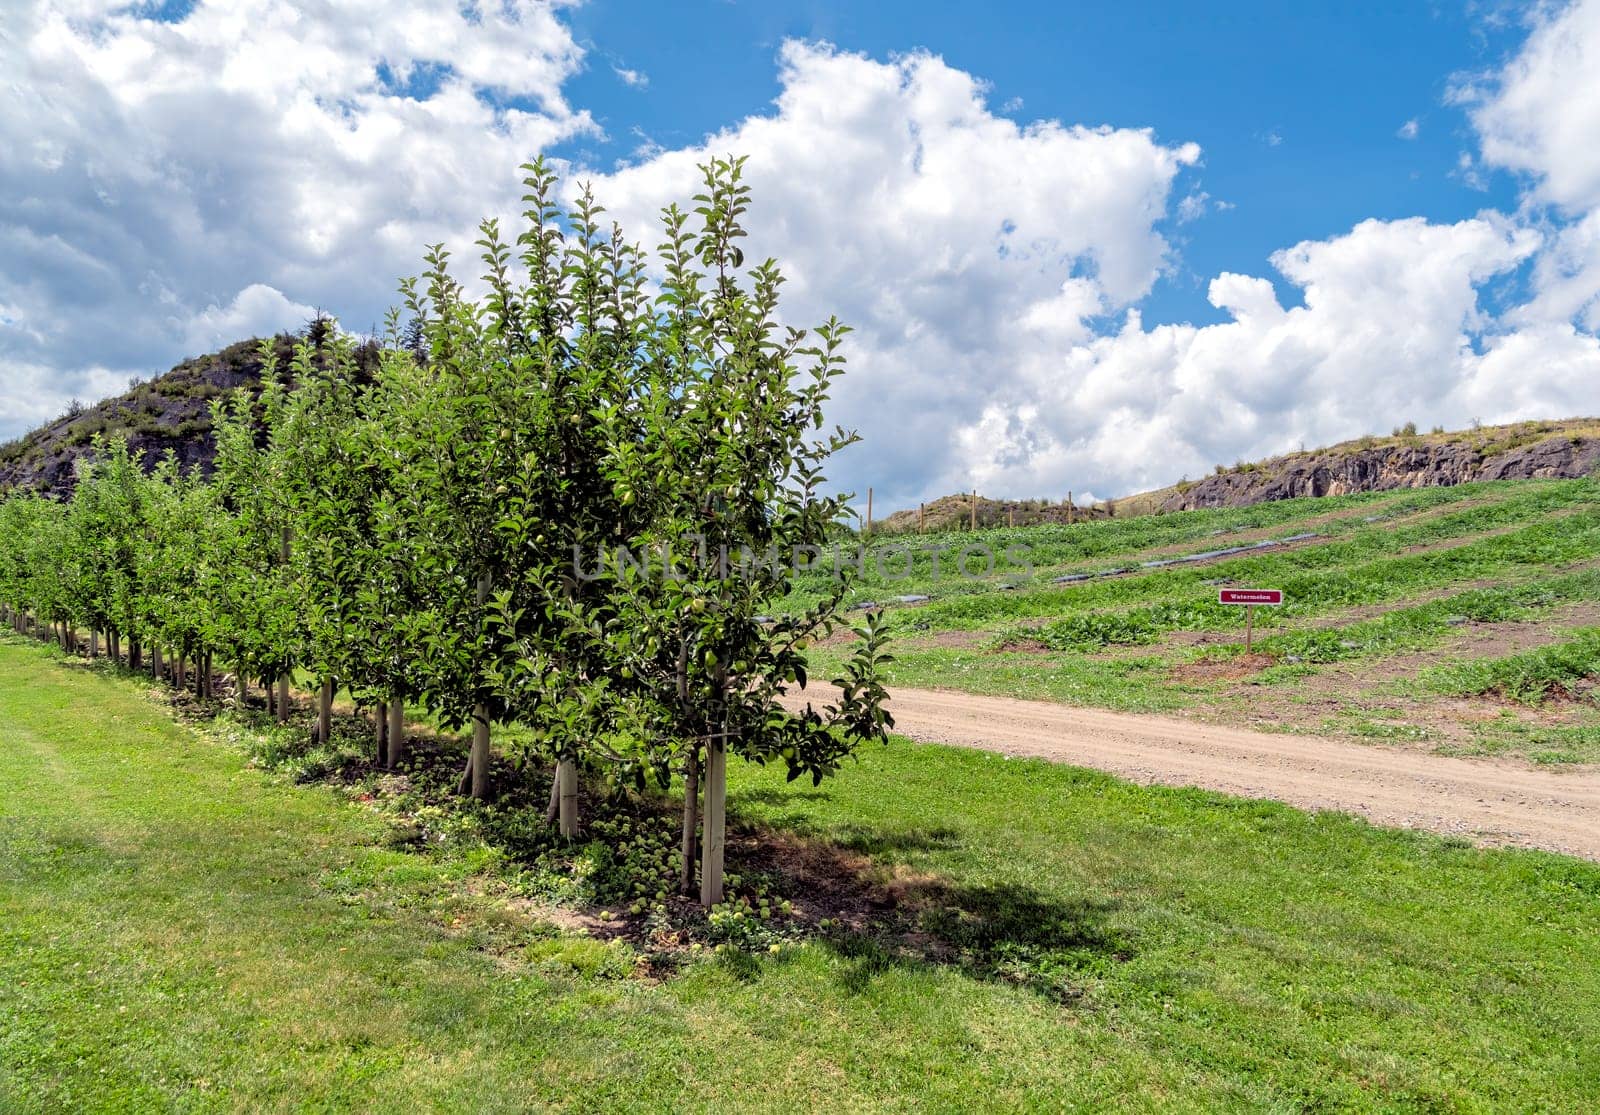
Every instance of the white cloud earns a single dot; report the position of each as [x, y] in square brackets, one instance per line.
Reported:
[31, 395]
[1566, 278]
[977, 258]
[1387, 334]
[967, 250]
[1469, 174]
[634, 78]
[256, 311]
[155, 171]
[1193, 206]
[1409, 129]
[174, 186]
[1537, 116]
[1540, 113]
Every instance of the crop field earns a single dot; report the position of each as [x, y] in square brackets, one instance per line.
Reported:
[1462, 620]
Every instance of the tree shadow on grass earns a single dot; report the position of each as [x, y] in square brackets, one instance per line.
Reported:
[879, 915]
[850, 887]
[783, 797]
[1006, 934]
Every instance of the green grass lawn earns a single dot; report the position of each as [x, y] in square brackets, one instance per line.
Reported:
[179, 929]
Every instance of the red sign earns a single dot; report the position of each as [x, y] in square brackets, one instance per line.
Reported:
[1268, 596]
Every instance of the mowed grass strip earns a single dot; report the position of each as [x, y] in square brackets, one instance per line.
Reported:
[180, 930]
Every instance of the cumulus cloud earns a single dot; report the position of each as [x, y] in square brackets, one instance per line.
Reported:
[964, 248]
[1390, 329]
[1409, 129]
[31, 394]
[1537, 116]
[1391, 325]
[1540, 113]
[981, 261]
[256, 311]
[167, 181]
[172, 186]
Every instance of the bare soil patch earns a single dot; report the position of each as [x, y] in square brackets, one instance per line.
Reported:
[1026, 644]
[943, 640]
[1221, 669]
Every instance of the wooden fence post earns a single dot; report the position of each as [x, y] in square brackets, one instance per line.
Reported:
[922, 510]
[974, 509]
[869, 510]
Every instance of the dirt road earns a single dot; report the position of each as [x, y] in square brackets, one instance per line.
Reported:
[1492, 801]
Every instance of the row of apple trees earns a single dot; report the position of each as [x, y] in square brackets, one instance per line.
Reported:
[567, 503]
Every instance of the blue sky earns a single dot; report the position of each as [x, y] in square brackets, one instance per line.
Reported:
[1086, 247]
[1297, 106]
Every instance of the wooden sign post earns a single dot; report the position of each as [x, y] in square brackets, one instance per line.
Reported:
[1250, 598]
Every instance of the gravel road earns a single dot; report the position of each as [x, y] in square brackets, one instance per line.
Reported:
[1488, 800]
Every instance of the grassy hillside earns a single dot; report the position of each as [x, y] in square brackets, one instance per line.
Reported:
[1459, 619]
[181, 930]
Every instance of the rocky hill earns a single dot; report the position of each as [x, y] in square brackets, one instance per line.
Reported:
[171, 413]
[1404, 460]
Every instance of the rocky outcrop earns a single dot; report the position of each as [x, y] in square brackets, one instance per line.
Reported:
[168, 414]
[1421, 463]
